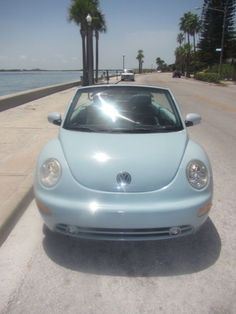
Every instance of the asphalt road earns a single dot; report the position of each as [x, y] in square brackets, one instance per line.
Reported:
[196, 274]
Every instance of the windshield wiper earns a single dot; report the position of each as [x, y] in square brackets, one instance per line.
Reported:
[155, 128]
[136, 129]
[81, 128]
[93, 129]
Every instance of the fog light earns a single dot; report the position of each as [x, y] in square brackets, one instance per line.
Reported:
[204, 210]
[71, 229]
[175, 231]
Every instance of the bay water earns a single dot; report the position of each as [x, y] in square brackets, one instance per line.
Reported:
[13, 82]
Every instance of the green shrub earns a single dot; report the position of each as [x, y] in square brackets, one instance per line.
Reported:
[207, 77]
[227, 71]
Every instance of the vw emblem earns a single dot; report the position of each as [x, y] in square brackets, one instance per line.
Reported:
[123, 178]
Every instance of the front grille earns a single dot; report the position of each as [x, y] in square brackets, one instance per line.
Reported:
[122, 234]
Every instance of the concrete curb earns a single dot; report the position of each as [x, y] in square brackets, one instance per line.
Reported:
[14, 208]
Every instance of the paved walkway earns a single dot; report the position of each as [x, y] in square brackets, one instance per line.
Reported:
[23, 132]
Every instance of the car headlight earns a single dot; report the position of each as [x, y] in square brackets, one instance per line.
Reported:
[50, 172]
[197, 174]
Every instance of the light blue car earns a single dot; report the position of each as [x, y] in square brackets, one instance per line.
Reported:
[123, 167]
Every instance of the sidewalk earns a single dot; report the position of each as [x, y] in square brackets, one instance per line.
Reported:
[23, 132]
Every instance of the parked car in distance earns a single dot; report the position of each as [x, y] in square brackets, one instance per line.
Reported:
[127, 75]
[176, 73]
[123, 167]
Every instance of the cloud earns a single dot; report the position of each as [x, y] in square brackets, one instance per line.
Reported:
[23, 57]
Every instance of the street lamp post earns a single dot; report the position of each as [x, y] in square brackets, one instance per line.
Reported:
[90, 50]
[123, 62]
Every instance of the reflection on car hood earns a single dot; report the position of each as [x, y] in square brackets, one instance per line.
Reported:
[95, 159]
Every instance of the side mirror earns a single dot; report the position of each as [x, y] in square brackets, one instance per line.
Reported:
[192, 119]
[54, 118]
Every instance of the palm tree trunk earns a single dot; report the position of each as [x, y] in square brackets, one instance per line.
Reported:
[188, 57]
[97, 39]
[90, 62]
[92, 57]
[84, 54]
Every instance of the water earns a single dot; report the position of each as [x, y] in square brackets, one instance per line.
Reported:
[14, 82]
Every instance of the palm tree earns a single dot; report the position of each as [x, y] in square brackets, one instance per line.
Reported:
[181, 55]
[99, 25]
[195, 27]
[140, 58]
[185, 26]
[180, 38]
[160, 63]
[78, 12]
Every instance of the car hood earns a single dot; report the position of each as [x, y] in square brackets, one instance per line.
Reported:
[96, 159]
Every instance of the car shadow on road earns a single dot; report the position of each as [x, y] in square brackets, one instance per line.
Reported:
[136, 259]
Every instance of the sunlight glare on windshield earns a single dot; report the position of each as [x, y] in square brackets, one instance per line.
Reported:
[109, 109]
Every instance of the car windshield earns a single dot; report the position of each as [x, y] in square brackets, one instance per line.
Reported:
[123, 109]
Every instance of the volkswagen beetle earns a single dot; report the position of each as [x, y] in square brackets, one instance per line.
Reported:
[123, 167]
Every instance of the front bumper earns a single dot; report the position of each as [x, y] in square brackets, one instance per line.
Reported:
[123, 221]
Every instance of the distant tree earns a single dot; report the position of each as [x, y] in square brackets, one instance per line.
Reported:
[180, 38]
[195, 27]
[185, 26]
[212, 27]
[140, 58]
[181, 55]
[232, 48]
[190, 24]
[161, 65]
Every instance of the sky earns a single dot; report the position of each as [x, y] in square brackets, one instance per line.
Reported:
[37, 33]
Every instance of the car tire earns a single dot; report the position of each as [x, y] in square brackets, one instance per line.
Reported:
[46, 231]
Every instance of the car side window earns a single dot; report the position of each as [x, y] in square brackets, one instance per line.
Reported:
[165, 113]
[78, 115]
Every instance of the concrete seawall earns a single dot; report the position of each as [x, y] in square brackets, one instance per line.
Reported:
[11, 101]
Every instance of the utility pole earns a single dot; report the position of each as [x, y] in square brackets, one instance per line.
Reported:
[223, 36]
